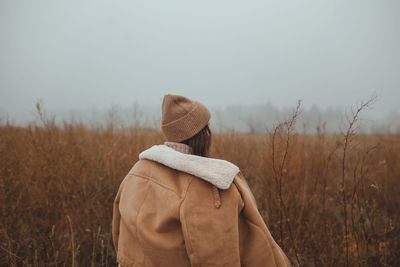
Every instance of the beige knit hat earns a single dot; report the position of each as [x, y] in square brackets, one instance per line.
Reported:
[182, 118]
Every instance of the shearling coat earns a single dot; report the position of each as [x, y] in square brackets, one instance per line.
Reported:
[175, 209]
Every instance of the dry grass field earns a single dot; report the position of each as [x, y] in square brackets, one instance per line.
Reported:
[329, 200]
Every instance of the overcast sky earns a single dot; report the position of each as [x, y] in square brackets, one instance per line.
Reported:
[78, 54]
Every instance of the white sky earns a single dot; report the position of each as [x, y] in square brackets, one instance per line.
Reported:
[79, 54]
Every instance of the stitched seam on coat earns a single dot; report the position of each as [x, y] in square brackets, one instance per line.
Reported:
[141, 206]
[240, 195]
[283, 254]
[265, 238]
[156, 182]
[184, 220]
[123, 259]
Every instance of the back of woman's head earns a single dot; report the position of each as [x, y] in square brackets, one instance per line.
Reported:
[186, 121]
[201, 142]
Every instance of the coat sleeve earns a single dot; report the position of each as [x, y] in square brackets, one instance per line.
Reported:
[210, 228]
[116, 220]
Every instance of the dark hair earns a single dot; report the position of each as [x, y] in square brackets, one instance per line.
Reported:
[201, 142]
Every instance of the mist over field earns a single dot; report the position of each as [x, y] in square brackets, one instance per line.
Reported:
[253, 119]
[263, 55]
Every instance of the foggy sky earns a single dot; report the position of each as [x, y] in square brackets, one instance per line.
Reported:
[79, 54]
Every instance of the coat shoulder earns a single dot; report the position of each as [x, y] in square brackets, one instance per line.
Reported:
[160, 176]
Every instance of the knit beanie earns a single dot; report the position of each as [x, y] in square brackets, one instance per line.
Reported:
[182, 118]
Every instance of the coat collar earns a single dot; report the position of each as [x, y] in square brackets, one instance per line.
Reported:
[215, 171]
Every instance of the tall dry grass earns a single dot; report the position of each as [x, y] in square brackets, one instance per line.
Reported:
[328, 200]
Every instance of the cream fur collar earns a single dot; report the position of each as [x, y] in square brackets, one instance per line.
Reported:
[215, 171]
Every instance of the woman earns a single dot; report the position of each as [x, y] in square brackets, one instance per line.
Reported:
[177, 207]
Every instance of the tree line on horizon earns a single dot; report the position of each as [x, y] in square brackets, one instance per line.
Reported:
[259, 118]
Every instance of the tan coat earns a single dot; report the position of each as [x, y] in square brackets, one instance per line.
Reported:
[174, 209]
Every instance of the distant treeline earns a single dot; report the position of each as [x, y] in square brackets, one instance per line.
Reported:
[242, 118]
